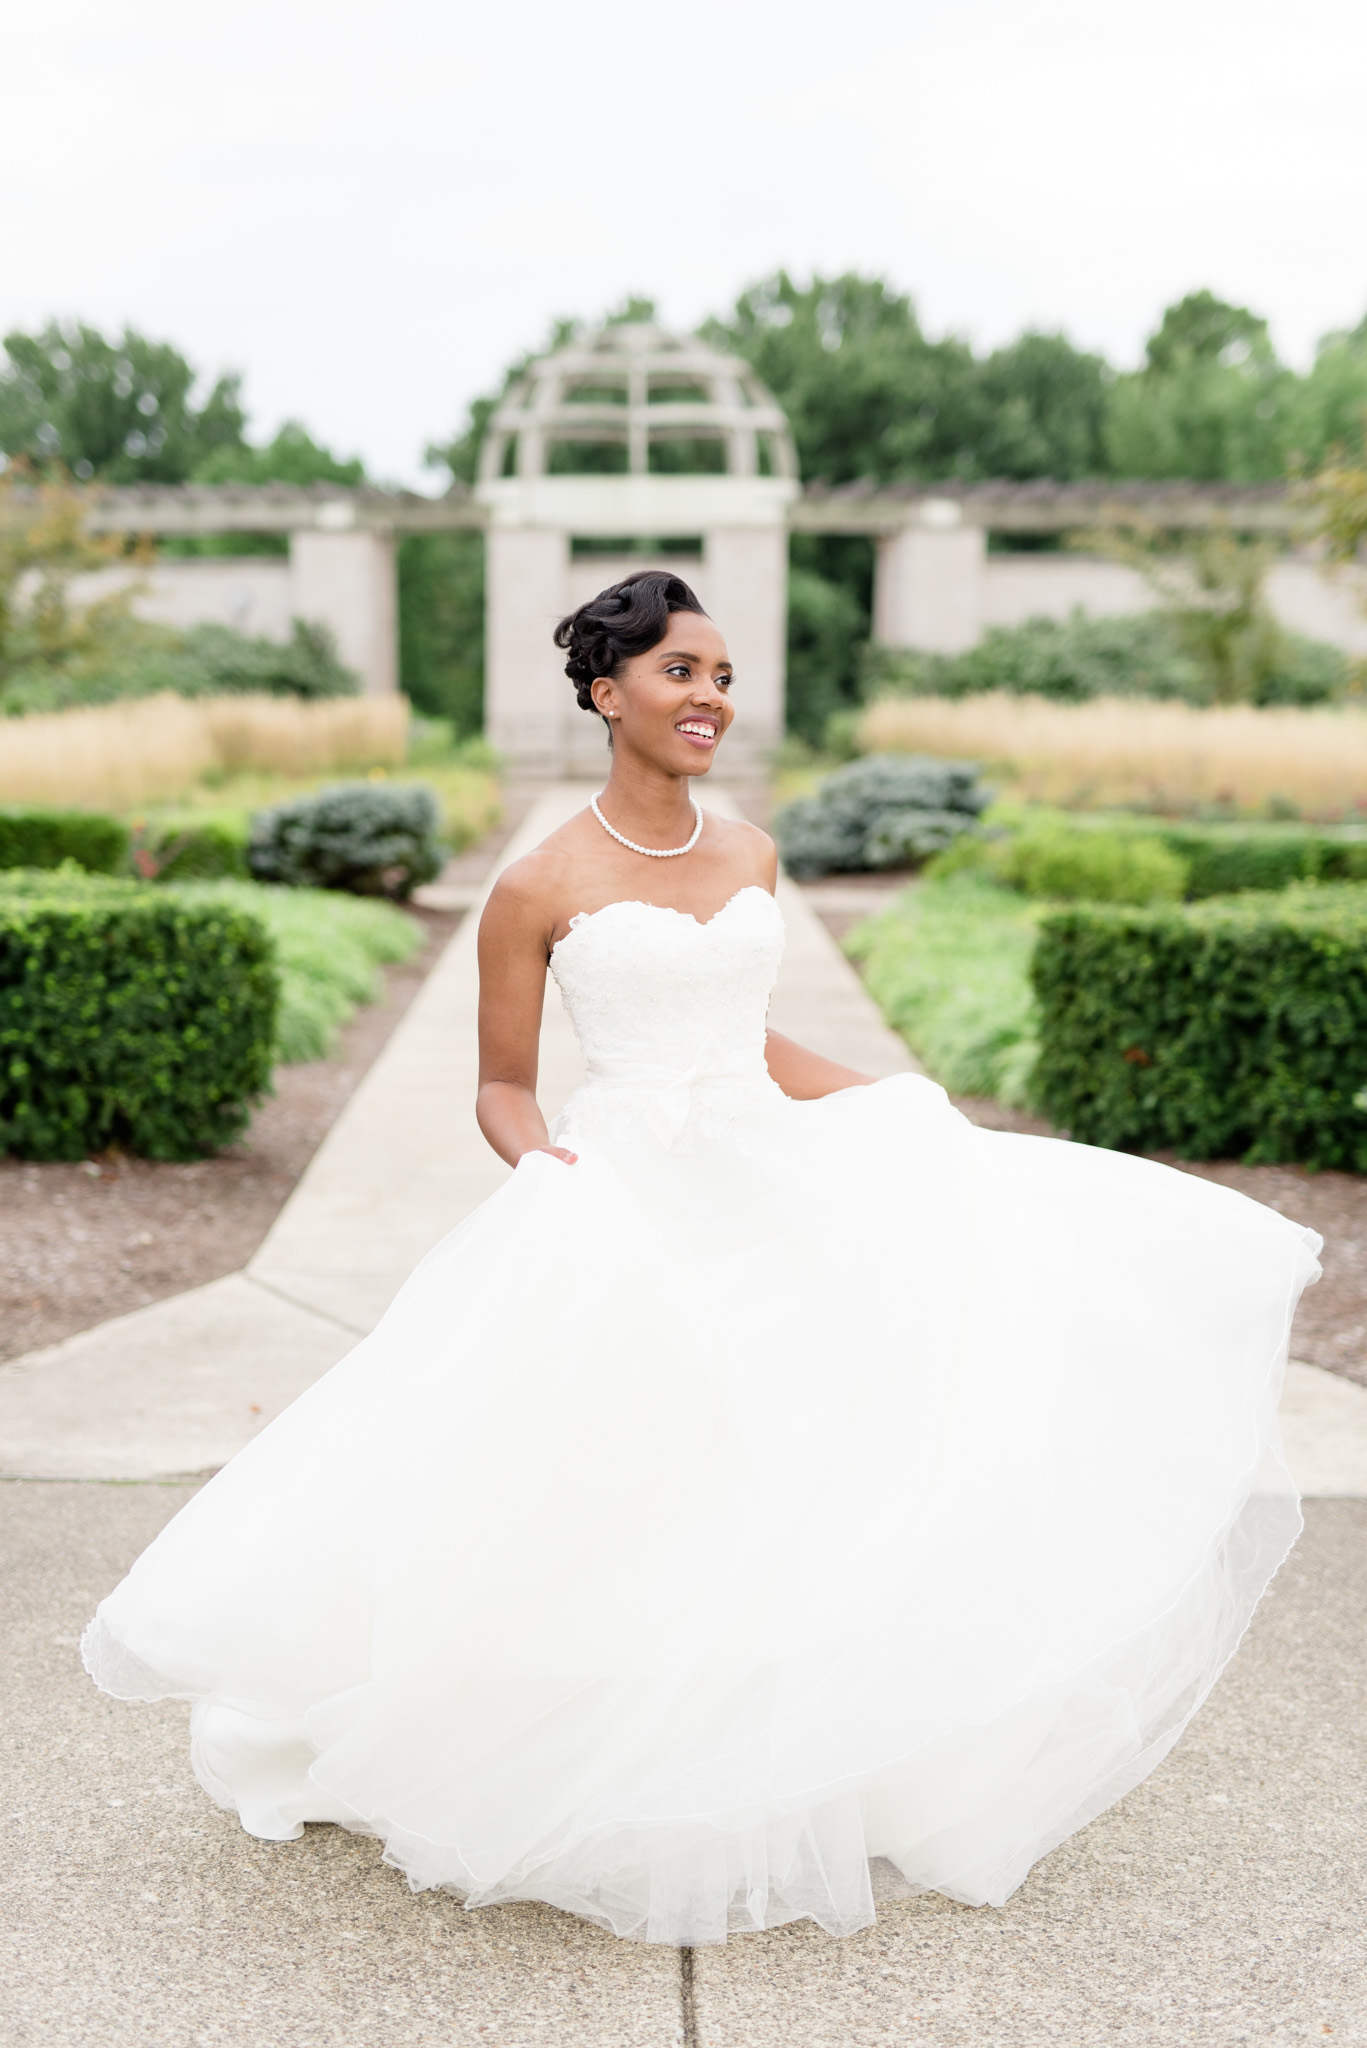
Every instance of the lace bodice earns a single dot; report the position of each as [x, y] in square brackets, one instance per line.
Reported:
[669, 1013]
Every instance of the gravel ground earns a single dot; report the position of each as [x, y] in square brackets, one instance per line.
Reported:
[80, 1243]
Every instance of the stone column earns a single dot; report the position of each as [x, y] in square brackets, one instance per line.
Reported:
[745, 588]
[930, 582]
[527, 699]
[347, 580]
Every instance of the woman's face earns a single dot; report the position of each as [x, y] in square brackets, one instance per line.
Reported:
[671, 705]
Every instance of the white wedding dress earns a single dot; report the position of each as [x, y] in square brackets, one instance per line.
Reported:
[784, 1485]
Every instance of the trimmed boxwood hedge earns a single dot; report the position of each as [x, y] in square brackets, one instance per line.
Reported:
[1224, 858]
[128, 1017]
[191, 850]
[41, 838]
[1232, 1027]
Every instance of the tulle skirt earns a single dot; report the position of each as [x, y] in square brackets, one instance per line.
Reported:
[700, 1523]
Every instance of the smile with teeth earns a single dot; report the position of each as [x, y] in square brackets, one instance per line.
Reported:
[697, 728]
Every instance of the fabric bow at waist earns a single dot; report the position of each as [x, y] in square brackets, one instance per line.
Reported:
[672, 1087]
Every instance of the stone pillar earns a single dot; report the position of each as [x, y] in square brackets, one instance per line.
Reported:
[347, 580]
[527, 698]
[745, 588]
[930, 583]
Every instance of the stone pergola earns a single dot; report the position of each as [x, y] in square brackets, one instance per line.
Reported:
[635, 448]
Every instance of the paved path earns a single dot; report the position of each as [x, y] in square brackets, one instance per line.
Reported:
[1221, 1902]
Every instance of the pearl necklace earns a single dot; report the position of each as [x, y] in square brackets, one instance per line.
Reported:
[650, 852]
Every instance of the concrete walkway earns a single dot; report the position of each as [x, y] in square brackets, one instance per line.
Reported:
[1221, 1902]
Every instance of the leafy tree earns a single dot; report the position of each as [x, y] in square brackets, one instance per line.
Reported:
[441, 626]
[1212, 401]
[45, 636]
[826, 626]
[118, 410]
[1329, 405]
[867, 395]
[1041, 410]
[293, 457]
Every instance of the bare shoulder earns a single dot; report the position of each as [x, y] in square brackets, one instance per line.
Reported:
[528, 893]
[748, 847]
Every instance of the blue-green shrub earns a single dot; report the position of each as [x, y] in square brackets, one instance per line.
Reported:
[373, 838]
[888, 811]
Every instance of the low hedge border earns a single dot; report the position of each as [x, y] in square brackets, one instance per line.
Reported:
[129, 1017]
[1234, 1027]
[42, 838]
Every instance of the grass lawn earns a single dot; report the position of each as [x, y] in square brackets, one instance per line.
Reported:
[949, 966]
[330, 948]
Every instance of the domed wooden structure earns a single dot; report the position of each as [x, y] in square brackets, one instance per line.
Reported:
[625, 449]
[633, 400]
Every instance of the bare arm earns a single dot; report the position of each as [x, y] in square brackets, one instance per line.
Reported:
[514, 944]
[806, 1076]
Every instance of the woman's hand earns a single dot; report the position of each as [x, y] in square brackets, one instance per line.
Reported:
[557, 1152]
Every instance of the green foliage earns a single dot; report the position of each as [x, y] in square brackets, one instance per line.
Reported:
[328, 949]
[204, 661]
[1035, 849]
[1050, 858]
[948, 964]
[39, 837]
[1237, 1026]
[189, 848]
[372, 838]
[1132, 654]
[118, 410]
[441, 626]
[891, 810]
[826, 625]
[292, 457]
[128, 1017]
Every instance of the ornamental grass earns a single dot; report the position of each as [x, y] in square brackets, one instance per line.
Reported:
[119, 755]
[1167, 757]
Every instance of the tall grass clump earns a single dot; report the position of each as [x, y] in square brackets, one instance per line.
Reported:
[153, 748]
[1167, 757]
[328, 951]
[949, 966]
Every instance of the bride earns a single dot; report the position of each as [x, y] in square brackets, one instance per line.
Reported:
[776, 1473]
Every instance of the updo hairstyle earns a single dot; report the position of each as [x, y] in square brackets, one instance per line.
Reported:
[626, 619]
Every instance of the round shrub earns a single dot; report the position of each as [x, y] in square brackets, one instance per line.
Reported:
[1088, 866]
[373, 838]
[886, 811]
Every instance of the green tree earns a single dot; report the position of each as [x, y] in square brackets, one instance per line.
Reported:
[292, 457]
[1329, 405]
[441, 626]
[1212, 401]
[867, 395]
[122, 411]
[1041, 410]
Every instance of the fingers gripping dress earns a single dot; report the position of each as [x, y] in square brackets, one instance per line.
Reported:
[785, 1484]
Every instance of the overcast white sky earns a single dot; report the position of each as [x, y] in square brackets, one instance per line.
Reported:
[369, 209]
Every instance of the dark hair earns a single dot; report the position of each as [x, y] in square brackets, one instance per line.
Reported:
[625, 619]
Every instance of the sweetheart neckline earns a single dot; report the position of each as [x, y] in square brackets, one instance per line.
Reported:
[583, 917]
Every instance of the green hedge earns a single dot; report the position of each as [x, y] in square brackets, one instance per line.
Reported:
[1233, 1027]
[128, 1017]
[191, 850]
[42, 838]
[1222, 859]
